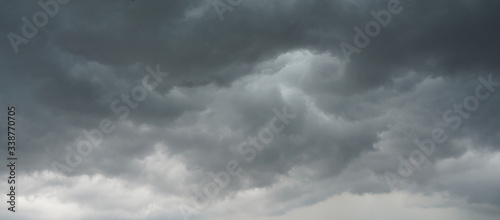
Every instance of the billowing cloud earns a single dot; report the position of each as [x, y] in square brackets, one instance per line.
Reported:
[160, 110]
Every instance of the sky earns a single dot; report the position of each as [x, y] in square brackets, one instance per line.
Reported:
[251, 109]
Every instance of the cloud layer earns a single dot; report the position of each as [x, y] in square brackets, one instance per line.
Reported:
[355, 121]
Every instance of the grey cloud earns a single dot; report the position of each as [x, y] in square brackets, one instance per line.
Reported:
[353, 119]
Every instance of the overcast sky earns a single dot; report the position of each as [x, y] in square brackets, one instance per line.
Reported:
[252, 109]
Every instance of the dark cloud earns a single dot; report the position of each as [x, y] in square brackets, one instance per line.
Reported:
[353, 119]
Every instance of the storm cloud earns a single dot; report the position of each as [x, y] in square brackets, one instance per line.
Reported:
[231, 70]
